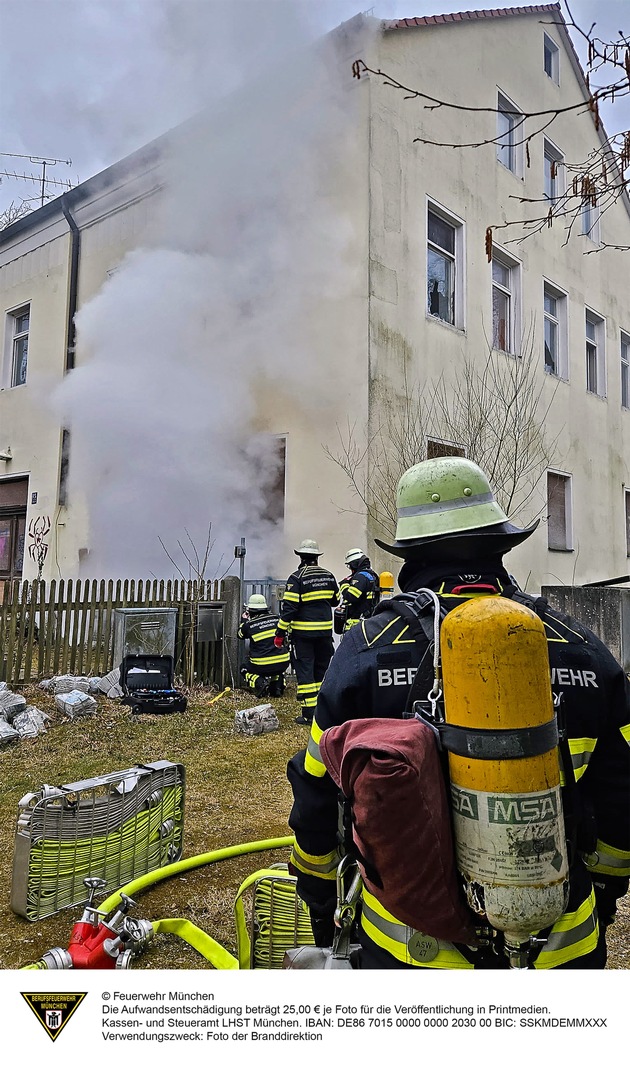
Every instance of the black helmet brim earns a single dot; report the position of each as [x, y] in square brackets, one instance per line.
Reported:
[490, 540]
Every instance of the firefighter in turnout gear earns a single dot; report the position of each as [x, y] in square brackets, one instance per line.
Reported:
[452, 536]
[310, 595]
[263, 673]
[360, 592]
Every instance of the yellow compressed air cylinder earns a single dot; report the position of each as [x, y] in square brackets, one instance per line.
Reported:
[507, 812]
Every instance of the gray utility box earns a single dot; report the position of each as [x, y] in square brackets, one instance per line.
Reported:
[210, 621]
[605, 610]
[144, 631]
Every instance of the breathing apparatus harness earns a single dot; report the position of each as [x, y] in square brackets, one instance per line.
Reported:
[424, 614]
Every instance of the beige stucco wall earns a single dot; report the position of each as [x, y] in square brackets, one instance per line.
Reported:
[35, 269]
[466, 63]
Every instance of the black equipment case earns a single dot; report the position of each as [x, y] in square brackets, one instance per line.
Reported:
[147, 684]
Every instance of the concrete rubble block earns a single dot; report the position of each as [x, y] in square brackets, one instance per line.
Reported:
[8, 735]
[75, 704]
[69, 683]
[255, 720]
[110, 684]
[30, 722]
[11, 704]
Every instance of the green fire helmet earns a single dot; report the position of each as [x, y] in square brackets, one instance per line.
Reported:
[446, 499]
[256, 602]
[308, 547]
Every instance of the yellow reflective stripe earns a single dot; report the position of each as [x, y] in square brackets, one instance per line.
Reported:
[293, 597]
[625, 732]
[313, 686]
[264, 633]
[312, 759]
[324, 866]
[615, 861]
[353, 591]
[394, 937]
[324, 594]
[312, 626]
[352, 622]
[271, 659]
[581, 749]
[574, 934]
[283, 625]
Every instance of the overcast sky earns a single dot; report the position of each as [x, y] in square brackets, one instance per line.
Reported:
[100, 78]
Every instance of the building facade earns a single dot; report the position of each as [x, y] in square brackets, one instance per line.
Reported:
[517, 355]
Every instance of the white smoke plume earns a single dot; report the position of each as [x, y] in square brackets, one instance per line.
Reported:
[242, 287]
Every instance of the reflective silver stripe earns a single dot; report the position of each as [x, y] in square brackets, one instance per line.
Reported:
[318, 865]
[448, 956]
[445, 505]
[611, 860]
[566, 937]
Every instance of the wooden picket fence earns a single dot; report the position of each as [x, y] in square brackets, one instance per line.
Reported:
[59, 627]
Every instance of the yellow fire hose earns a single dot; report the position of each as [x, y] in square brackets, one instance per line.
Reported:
[207, 946]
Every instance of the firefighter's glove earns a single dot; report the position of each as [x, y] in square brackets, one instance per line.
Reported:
[607, 891]
[278, 641]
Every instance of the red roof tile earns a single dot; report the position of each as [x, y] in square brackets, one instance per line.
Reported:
[458, 16]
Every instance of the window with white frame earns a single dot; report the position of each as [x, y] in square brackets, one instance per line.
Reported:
[555, 330]
[18, 322]
[509, 134]
[505, 284]
[595, 354]
[551, 58]
[559, 534]
[589, 219]
[625, 370]
[627, 497]
[553, 173]
[444, 266]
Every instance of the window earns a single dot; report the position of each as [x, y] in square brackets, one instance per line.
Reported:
[627, 496]
[509, 125]
[558, 512]
[589, 220]
[19, 322]
[625, 370]
[274, 477]
[553, 173]
[504, 302]
[437, 448]
[13, 499]
[555, 330]
[444, 267]
[551, 58]
[595, 366]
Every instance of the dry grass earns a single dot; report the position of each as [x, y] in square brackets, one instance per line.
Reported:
[236, 791]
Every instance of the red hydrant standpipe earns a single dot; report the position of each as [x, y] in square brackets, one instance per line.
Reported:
[100, 944]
